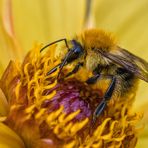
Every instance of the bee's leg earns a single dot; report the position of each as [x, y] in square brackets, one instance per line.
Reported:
[92, 80]
[107, 96]
[76, 68]
[99, 110]
[53, 69]
[95, 77]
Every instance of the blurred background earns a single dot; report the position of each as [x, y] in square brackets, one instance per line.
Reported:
[24, 23]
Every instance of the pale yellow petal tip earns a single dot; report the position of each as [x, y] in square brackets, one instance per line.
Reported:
[7, 17]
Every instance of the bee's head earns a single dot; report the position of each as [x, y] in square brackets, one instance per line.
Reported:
[75, 52]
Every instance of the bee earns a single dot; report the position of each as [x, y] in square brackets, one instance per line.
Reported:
[98, 52]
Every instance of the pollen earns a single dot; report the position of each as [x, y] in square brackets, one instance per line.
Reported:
[47, 113]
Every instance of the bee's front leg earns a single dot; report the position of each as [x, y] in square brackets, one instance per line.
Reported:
[76, 68]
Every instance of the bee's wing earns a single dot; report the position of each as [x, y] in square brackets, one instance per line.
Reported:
[130, 62]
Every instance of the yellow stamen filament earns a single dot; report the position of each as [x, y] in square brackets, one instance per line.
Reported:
[70, 145]
[30, 109]
[50, 86]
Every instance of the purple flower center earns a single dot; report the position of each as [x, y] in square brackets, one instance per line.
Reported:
[71, 94]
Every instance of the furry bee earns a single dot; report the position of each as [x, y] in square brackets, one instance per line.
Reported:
[98, 52]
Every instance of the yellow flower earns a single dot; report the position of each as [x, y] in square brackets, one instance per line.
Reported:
[28, 21]
[47, 113]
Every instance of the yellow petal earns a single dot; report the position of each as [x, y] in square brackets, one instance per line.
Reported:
[7, 81]
[7, 17]
[3, 104]
[142, 143]
[9, 139]
[46, 21]
[143, 135]
[9, 46]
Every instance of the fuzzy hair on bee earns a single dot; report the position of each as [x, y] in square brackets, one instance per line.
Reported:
[97, 51]
[93, 39]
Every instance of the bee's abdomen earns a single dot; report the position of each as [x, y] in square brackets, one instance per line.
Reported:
[127, 82]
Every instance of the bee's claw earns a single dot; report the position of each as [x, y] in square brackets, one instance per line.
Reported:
[99, 109]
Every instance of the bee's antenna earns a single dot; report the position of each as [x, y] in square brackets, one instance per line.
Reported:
[55, 43]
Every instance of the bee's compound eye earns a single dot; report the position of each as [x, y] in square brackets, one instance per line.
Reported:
[77, 48]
